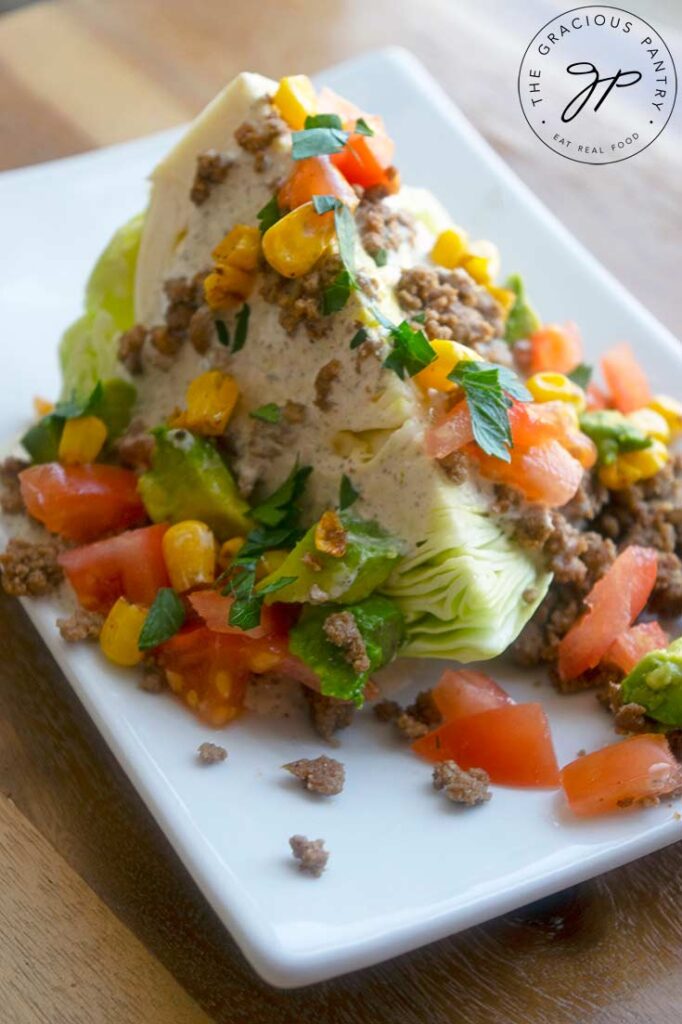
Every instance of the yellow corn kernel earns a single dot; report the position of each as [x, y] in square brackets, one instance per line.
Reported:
[264, 661]
[295, 99]
[296, 242]
[228, 551]
[651, 423]
[448, 354]
[227, 286]
[211, 398]
[189, 552]
[671, 411]
[556, 387]
[450, 248]
[648, 461]
[505, 296]
[121, 633]
[270, 561]
[42, 407]
[619, 475]
[239, 248]
[478, 267]
[82, 439]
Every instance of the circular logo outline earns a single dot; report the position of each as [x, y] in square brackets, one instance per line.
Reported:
[573, 159]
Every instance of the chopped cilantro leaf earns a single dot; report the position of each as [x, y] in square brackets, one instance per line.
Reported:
[245, 610]
[270, 413]
[411, 351]
[317, 142]
[336, 295]
[345, 235]
[269, 215]
[487, 388]
[380, 257]
[347, 493]
[362, 128]
[164, 619]
[581, 375]
[222, 332]
[277, 509]
[241, 327]
[323, 121]
[323, 204]
[73, 407]
[359, 337]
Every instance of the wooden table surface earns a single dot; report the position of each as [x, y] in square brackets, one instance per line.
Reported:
[99, 921]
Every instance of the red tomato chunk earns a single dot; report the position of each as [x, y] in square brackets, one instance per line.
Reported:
[130, 565]
[82, 503]
[631, 646]
[511, 742]
[639, 768]
[466, 692]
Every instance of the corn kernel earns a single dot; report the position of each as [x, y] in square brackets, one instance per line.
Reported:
[189, 554]
[42, 407]
[239, 248]
[228, 551]
[295, 99]
[648, 461]
[270, 561]
[448, 354]
[211, 398]
[82, 439]
[479, 268]
[671, 411]
[450, 248]
[264, 661]
[227, 286]
[651, 423]
[618, 475]
[556, 387]
[505, 296]
[121, 633]
[296, 242]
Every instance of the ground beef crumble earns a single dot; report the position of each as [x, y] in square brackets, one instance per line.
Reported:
[328, 714]
[130, 346]
[323, 775]
[454, 305]
[341, 629]
[468, 787]
[324, 383]
[380, 226]
[300, 300]
[310, 853]
[135, 448]
[82, 625]
[153, 678]
[11, 501]
[631, 718]
[211, 753]
[212, 168]
[257, 133]
[413, 721]
[31, 569]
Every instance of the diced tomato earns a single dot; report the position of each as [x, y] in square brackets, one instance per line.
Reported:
[329, 102]
[130, 565]
[613, 604]
[615, 776]
[450, 434]
[544, 473]
[81, 502]
[627, 382]
[365, 159]
[629, 648]
[463, 692]
[512, 743]
[556, 347]
[316, 176]
[214, 608]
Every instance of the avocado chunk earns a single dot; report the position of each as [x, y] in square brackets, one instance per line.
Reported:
[379, 623]
[656, 683]
[613, 434]
[522, 319]
[189, 480]
[369, 557]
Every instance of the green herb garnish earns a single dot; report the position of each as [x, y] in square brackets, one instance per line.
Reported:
[269, 215]
[380, 257]
[241, 327]
[322, 121]
[362, 128]
[323, 204]
[222, 332]
[581, 375]
[164, 619]
[347, 493]
[359, 338]
[487, 389]
[336, 295]
[317, 142]
[270, 413]
[411, 350]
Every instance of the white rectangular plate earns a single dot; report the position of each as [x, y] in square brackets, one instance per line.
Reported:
[406, 867]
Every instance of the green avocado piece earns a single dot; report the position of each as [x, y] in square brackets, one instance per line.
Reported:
[382, 627]
[522, 319]
[656, 683]
[612, 433]
[189, 480]
[370, 556]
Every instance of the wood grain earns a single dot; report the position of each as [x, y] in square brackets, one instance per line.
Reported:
[65, 957]
[79, 73]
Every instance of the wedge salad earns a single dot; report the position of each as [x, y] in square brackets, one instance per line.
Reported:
[305, 429]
